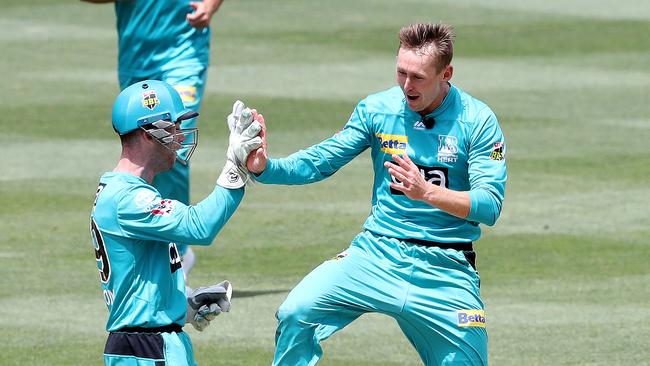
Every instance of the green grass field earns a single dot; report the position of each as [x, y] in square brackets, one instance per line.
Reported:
[564, 272]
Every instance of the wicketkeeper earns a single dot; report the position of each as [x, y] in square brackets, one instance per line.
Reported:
[134, 229]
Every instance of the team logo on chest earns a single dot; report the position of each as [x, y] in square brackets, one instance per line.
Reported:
[447, 149]
[149, 99]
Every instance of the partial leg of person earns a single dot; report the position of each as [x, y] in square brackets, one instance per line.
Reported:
[357, 281]
[444, 315]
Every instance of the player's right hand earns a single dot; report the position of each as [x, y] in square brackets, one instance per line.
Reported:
[257, 159]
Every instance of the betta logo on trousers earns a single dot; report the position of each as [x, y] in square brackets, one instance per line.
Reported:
[471, 318]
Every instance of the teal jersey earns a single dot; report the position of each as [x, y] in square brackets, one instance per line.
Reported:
[134, 231]
[154, 36]
[464, 151]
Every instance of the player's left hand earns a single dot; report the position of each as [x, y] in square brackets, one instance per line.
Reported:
[405, 171]
[245, 126]
[205, 303]
[201, 16]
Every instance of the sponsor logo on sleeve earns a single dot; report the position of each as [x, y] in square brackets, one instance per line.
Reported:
[497, 151]
[150, 100]
[471, 318]
[187, 92]
[447, 149]
[164, 207]
[392, 144]
[145, 199]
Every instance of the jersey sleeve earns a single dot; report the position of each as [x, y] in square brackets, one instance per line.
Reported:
[487, 170]
[143, 214]
[323, 159]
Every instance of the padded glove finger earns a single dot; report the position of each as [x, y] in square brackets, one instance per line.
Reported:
[224, 304]
[200, 323]
[234, 117]
[209, 312]
[251, 131]
[245, 121]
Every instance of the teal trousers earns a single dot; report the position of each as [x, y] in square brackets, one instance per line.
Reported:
[432, 293]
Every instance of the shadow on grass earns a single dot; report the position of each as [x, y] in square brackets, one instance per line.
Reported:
[237, 294]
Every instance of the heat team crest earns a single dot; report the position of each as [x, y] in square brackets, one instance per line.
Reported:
[150, 100]
[497, 151]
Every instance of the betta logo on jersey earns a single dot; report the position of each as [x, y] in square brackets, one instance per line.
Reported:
[164, 207]
[187, 92]
[497, 151]
[150, 100]
[392, 144]
[434, 175]
[471, 318]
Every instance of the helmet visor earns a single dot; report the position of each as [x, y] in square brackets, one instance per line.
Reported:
[181, 141]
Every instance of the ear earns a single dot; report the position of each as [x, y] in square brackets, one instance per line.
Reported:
[447, 73]
[145, 136]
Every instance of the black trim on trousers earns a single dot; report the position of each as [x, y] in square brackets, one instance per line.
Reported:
[470, 255]
[460, 246]
[466, 247]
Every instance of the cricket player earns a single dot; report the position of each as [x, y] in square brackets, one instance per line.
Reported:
[439, 172]
[135, 229]
[167, 40]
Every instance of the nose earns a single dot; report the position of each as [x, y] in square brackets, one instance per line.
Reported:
[407, 83]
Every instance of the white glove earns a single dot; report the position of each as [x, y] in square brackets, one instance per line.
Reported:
[205, 303]
[244, 138]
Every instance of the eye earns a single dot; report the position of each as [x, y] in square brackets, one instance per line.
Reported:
[401, 73]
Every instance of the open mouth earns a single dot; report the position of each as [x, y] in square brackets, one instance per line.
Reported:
[412, 97]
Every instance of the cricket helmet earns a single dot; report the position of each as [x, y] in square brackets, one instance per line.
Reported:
[155, 107]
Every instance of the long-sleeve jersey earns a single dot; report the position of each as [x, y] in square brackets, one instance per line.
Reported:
[134, 231]
[154, 36]
[464, 151]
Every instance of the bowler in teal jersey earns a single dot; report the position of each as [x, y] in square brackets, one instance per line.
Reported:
[167, 40]
[439, 172]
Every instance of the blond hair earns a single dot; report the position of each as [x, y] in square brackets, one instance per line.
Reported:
[435, 40]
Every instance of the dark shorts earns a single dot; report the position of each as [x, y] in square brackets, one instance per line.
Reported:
[154, 349]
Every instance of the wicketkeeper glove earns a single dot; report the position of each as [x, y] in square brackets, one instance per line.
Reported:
[205, 303]
[244, 138]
